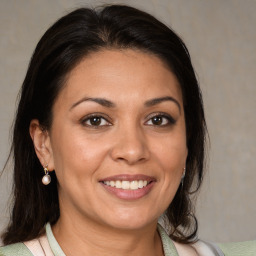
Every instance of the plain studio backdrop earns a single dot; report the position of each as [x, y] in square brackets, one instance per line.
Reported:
[221, 38]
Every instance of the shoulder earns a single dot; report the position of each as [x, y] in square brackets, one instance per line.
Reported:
[199, 248]
[185, 249]
[17, 249]
[237, 249]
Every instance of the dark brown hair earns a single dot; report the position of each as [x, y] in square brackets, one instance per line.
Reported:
[60, 49]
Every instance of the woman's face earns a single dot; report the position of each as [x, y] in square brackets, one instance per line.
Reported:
[118, 140]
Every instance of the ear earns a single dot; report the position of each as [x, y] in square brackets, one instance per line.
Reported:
[42, 144]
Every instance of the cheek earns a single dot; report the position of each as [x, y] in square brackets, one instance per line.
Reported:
[172, 162]
[171, 156]
[171, 153]
[76, 155]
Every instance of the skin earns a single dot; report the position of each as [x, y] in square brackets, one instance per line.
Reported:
[125, 140]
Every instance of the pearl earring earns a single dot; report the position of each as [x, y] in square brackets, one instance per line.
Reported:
[47, 178]
[184, 173]
[183, 176]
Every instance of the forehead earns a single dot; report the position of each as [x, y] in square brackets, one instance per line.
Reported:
[121, 74]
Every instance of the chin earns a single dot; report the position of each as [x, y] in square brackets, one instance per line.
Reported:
[132, 221]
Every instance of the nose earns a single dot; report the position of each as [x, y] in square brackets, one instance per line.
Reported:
[130, 146]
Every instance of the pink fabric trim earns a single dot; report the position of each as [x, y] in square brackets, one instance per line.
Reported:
[39, 246]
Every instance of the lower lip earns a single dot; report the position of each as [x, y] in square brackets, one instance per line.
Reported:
[129, 194]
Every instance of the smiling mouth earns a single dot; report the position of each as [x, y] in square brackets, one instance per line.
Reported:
[127, 185]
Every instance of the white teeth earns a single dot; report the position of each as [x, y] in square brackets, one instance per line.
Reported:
[141, 184]
[118, 184]
[125, 184]
[134, 184]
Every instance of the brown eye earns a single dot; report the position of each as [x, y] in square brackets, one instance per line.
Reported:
[157, 120]
[95, 121]
[160, 120]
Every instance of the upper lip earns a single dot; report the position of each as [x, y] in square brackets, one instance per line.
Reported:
[129, 177]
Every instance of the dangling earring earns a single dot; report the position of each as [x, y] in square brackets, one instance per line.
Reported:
[47, 178]
[183, 176]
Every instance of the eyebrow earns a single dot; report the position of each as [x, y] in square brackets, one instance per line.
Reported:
[103, 102]
[156, 101]
[106, 103]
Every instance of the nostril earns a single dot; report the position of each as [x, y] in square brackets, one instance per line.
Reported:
[129, 156]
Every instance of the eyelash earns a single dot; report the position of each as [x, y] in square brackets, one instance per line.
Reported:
[168, 120]
[89, 118]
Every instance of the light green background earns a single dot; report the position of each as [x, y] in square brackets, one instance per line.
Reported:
[221, 37]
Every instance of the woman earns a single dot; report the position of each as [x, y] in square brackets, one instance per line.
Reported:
[109, 136]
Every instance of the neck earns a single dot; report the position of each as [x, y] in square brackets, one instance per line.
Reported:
[88, 238]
